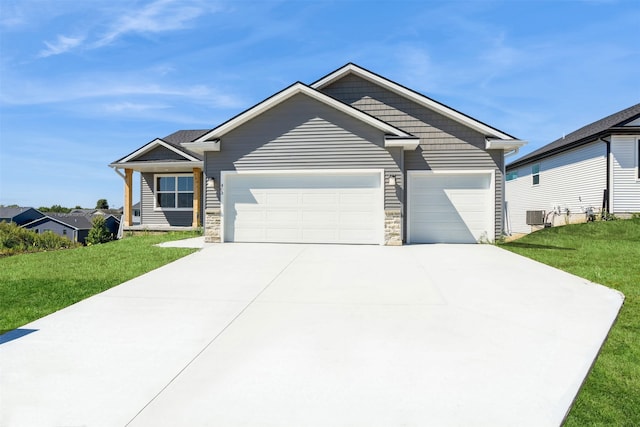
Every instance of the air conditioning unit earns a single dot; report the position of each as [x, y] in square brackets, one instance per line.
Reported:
[535, 217]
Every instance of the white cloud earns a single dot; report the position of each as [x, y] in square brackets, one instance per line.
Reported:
[155, 17]
[159, 16]
[61, 45]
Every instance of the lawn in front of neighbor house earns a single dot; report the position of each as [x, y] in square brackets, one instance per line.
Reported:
[607, 253]
[36, 284]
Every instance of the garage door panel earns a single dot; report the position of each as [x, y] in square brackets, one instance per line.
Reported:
[319, 198]
[312, 218]
[280, 216]
[313, 208]
[280, 198]
[450, 207]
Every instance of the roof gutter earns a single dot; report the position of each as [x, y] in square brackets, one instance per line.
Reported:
[607, 191]
[586, 140]
[117, 170]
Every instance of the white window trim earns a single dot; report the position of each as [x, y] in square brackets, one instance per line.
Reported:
[155, 192]
[637, 150]
[534, 174]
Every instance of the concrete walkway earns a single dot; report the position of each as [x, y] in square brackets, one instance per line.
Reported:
[315, 335]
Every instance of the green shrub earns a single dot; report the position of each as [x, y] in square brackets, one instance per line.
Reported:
[15, 239]
[99, 232]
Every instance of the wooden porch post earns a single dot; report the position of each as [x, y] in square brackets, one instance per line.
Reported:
[197, 197]
[128, 195]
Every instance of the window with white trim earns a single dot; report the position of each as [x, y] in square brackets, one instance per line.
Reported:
[174, 191]
[512, 175]
[535, 174]
[638, 159]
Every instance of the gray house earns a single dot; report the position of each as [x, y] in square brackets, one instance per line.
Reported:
[19, 215]
[74, 227]
[352, 158]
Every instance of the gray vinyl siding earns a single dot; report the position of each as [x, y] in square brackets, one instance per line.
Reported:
[444, 143]
[302, 133]
[59, 229]
[159, 153]
[150, 216]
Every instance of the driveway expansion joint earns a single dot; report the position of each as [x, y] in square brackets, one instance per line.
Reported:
[240, 313]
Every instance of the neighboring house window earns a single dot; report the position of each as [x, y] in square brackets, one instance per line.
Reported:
[535, 173]
[64, 232]
[174, 191]
[512, 175]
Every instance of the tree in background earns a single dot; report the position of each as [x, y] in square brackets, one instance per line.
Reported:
[102, 204]
[99, 232]
[54, 208]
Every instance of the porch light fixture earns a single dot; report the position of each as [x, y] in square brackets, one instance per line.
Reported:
[211, 182]
[392, 180]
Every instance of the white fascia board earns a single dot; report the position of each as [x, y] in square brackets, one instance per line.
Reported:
[153, 144]
[297, 88]
[152, 166]
[504, 144]
[414, 96]
[407, 144]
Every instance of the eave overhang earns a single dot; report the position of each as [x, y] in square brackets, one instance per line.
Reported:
[158, 167]
[407, 143]
[504, 144]
[603, 136]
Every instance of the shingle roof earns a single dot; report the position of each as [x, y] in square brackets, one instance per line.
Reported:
[81, 222]
[183, 136]
[11, 212]
[585, 134]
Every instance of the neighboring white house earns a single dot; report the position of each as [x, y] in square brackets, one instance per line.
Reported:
[592, 170]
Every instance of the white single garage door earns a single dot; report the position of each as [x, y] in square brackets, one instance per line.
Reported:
[450, 207]
[321, 207]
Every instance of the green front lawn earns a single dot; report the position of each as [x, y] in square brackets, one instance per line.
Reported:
[36, 284]
[607, 253]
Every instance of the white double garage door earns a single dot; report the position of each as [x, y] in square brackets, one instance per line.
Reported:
[348, 207]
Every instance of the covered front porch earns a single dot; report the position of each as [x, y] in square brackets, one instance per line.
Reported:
[171, 188]
[171, 200]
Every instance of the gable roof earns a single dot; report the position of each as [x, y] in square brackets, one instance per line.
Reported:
[13, 212]
[75, 221]
[405, 92]
[205, 141]
[160, 142]
[615, 123]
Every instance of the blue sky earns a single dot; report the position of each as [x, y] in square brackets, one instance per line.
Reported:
[83, 83]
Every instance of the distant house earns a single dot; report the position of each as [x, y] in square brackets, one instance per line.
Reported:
[19, 215]
[74, 227]
[592, 170]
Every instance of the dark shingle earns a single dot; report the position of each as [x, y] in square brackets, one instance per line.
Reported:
[183, 136]
[582, 135]
[79, 221]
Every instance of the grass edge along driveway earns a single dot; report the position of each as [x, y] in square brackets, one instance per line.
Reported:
[37, 284]
[607, 253]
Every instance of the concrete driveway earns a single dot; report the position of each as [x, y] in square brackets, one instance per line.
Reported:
[315, 335]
